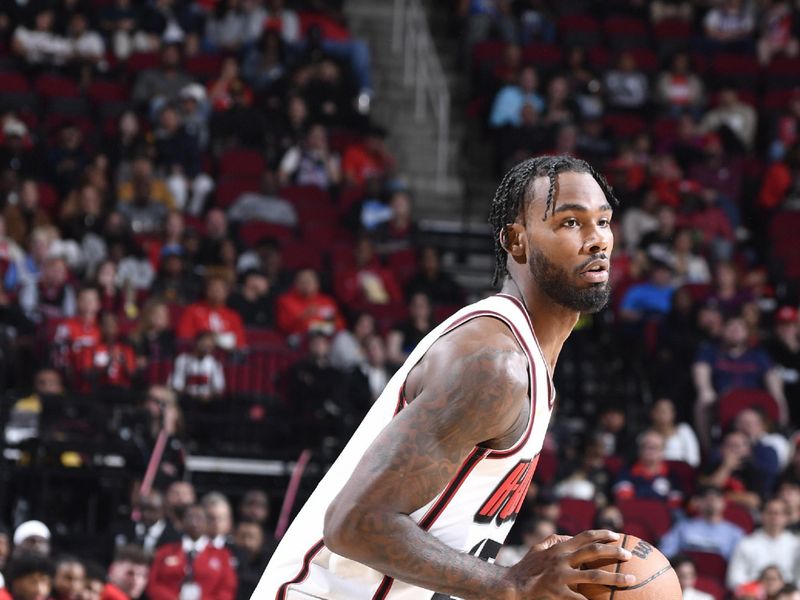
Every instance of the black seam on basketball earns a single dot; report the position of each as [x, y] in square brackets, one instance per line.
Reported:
[614, 588]
[619, 565]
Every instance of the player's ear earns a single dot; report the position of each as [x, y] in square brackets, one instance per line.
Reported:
[514, 241]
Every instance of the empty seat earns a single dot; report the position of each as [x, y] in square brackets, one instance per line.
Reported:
[733, 402]
[709, 564]
[652, 515]
[576, 515]
[242, 162]
[250, 233]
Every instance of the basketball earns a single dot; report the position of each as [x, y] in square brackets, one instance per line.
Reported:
[655, 578]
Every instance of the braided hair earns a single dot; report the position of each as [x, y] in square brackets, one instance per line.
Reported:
[514, 189]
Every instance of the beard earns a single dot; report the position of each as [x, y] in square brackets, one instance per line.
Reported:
[554, 281]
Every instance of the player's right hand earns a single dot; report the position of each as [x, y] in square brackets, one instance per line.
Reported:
[552, 569]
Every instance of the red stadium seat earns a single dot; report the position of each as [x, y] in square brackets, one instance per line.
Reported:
[710, 564]
[625, 32]
[230, 188]
[56, 85]
[575, 515]
[264, 337]
[653, 515]
[403, 264]
[546, 468]
[204, 66]
[13, 82]
[48, 198]
[709, 585]
[544, 56]
[141, 61]
[387, 315]
[305, 195]
[672, 35]
[440, 313]
[101, 91]
[242, 162]
[250, 233]
[743, 71]
[783, 73]
[739, 515]
[624, 125]
[732, 403]
[488, 52]
[579, 30]
[685, 474]
[300, 255]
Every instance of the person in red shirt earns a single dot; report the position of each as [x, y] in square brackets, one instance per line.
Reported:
[192, 567]
[368, 282]
[369, 159]
[114, 361]
[77, 338]
[213, 315]
[304, 308]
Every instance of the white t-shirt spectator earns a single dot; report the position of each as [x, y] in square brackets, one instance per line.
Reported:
[199, 377]
[683, 445]
[738, 24]
[757, 551]
[89, 45]
[41, 47]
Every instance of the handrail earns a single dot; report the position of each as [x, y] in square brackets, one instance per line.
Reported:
[422, 68]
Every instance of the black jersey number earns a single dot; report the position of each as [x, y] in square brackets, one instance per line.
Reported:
[485, 550]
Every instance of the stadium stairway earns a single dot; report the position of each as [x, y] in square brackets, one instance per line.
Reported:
[413, 142]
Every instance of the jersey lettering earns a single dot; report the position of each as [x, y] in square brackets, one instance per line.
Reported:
[505, 502]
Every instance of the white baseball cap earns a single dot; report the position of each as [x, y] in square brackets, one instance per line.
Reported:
[30, 529]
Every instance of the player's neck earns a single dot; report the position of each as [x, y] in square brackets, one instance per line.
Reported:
[552, 322]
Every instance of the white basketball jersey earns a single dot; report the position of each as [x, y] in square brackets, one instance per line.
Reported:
[473, 513]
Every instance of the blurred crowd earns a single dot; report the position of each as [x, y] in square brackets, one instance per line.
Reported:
[692, 110]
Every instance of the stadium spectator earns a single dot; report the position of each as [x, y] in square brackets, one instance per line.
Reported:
[649, 477]
[220, 520]
[656, 242]
[311, 162]
[651, 299]
[432, 281]
[252, 557]
[254, 300]
[680, 441]
[784, 349]
[78, 337]
[404, 336]
[788, 592]
[264, 65]
[193, 565]
[221, 91]
[31, 536]
[533, 532]
[730, 25]
[510, 100]
[145, 200]
[777, 32]
[689, 267]
[88, 47]
[113, 362]
[348, 345]
[773, 544]
[235, 25]
[153, 338]
[69, 579]
[40, 45]
[377, 369]
[368, 159]
[304, 308]
[730, 365]
[753, 423]
[128, 572]
[29, 576]
[626, 86]
[52, 297]
[770, 581]
[213, 315]
[150, 531]
[679, 89]
[26, 214]
[178, 497]
[368, 282]
[733, 114]
[96, 586]
[482, 16]
[707, 532]
[23, 420]
[687, 576]
[266, 205]
[254, 507]
[744, 471]
[586, 477]
[198, 374]
[283, 20]
[5, 548]
[154, 87]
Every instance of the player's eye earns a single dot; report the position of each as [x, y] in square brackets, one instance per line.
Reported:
[571, 222]
[604, 222]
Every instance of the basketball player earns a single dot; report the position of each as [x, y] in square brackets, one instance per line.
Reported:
[422, 497]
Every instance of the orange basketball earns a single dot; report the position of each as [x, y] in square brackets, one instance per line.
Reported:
[655, 579]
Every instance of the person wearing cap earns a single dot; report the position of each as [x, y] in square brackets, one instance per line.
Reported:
[707, 532]
[195, 112]
[29, 576]
[784, 348]
[32, 536]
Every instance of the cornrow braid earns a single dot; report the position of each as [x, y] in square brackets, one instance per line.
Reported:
[513, 192]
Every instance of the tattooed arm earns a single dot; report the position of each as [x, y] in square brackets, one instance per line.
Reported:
[470, 389]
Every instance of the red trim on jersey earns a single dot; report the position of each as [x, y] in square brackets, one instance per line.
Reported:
[521, 306]
[309, 556]
[438, 507]
[383, 588]
[401, 399]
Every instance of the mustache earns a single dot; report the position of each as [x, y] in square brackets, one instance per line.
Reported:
[591, 259]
